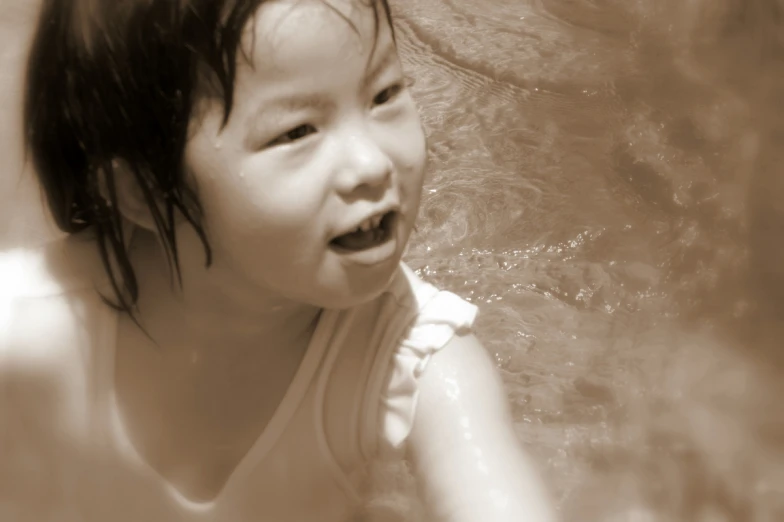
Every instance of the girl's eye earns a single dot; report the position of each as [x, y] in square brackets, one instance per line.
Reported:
[388, 94]
[293, 135]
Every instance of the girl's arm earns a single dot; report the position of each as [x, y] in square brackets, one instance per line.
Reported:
[468, 460]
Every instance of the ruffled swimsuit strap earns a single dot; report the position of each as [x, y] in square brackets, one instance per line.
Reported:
[393, 389]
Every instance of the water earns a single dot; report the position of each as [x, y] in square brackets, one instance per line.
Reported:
[605, 184]
[592, 187]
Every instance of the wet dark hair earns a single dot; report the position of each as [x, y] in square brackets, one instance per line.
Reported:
[114, 82]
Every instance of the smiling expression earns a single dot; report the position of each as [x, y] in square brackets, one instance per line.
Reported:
[323, 134]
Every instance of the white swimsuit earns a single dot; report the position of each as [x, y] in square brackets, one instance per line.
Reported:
[64, 454]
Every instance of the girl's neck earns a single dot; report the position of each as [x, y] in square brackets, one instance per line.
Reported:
[213, 306]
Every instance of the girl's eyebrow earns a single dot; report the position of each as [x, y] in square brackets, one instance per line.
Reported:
[388, 58]
[269, 109]
[294, 103]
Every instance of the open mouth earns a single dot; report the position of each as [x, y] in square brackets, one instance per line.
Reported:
[367, 237]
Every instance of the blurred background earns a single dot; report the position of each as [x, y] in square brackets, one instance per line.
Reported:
[605, 183]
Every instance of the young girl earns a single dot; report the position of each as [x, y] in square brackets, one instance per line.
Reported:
[238, 180]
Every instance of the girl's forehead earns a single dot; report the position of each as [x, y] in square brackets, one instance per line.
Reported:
[283, 29]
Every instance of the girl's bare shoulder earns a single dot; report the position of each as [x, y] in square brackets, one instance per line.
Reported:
[56, 267]
[50, 319]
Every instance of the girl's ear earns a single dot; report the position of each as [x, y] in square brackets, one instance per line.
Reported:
[132, 204]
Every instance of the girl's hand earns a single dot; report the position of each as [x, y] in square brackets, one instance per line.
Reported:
[468, 460]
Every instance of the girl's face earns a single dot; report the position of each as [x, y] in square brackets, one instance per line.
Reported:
[322, 136]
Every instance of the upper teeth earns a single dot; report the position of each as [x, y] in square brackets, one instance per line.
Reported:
[370, 223]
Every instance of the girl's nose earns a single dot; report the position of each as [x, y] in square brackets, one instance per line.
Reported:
[366, 164]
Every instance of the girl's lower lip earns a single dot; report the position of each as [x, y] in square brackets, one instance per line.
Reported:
[370, 256]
